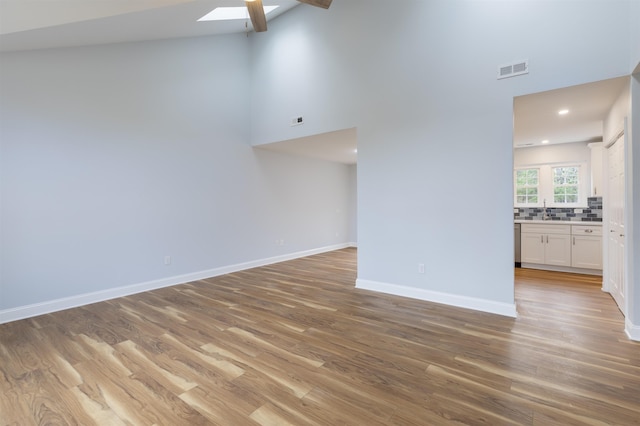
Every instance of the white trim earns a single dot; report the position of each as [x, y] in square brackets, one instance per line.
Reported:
[617, 136]
[515, 188]
[47, 307]
[484, 305]
[632, 330]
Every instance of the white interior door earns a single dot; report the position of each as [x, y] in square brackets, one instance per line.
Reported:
[615, 208]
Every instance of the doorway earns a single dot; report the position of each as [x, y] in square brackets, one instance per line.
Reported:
[559, 127]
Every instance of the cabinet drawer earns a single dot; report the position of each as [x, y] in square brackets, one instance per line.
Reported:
[545, 229]
[586, 230]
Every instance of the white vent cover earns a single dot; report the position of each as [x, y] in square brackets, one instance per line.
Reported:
[512, 70]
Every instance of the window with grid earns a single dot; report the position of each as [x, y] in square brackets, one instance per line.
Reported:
[566, 184]
[527, 183]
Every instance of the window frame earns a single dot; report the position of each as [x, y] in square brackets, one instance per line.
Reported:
[546, 185]
[515, 187]
[566, 185]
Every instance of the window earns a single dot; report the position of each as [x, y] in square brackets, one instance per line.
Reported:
[559, 185]
[566, 185]
[527, 182]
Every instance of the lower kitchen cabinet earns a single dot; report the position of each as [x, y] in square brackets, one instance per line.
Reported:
[546, 244]
[564, 246]
[532, 247]
[586, 249]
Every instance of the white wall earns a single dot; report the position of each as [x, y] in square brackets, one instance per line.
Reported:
[614, 121]
[418, 79]
[548, 154]
[113, 157]
[633, 315]
[634, 17]
[353, 204]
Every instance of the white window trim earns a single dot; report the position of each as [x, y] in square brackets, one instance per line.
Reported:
[515, 186]
[545, 185]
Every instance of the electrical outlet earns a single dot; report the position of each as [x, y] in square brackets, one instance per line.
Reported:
[296, 121]
[167, 260]
[421, 268]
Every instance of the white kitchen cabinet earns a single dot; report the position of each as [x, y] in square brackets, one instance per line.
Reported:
[557, 250]
[586, 249]
[546, 244]
[596, 169]
[532, 247]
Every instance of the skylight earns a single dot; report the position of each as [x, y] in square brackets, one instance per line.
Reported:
[230, 13]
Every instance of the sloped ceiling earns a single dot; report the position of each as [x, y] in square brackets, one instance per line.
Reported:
[42, 24]
[23, 15]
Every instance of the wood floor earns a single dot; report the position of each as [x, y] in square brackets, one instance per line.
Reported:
[296, 344]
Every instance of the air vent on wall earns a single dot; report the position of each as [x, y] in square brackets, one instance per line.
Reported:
[512, 70]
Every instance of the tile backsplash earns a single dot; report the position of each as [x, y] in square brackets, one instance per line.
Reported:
[591, 214]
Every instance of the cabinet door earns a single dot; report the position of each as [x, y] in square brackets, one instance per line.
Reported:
[557, 250]
[532, 248]
[596, 168]
[586, 252]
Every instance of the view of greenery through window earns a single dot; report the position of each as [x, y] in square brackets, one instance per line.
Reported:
[527, 186]
[565, 185]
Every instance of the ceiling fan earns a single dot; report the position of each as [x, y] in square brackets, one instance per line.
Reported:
[259, 20]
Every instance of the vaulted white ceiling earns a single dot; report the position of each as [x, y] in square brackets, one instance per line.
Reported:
[41, 24]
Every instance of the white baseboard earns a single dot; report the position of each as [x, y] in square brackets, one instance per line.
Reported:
[47, 307]
[632, 330]
[484, 305]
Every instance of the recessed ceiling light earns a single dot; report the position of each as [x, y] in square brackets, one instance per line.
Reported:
[230, 13]
[544, 142]
[355, 150]
[563, 112]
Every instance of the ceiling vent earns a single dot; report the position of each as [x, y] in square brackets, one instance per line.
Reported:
[512, 70]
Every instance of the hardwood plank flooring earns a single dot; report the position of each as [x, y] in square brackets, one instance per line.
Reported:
[296, 344]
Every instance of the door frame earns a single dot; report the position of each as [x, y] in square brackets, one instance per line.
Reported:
[623, 132]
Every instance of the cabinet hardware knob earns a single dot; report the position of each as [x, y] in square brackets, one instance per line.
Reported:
[588, 231]
[622, 235]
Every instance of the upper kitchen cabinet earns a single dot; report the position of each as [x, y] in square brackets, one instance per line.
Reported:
[596, 169]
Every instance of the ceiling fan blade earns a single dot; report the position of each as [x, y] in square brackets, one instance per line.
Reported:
[256, 13]
[318, 3]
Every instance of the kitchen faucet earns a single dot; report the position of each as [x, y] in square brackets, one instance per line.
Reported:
[545, 215]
